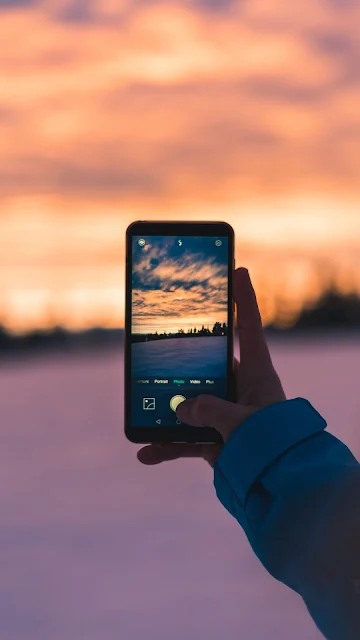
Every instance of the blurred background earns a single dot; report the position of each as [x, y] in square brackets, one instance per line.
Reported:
[113, 111]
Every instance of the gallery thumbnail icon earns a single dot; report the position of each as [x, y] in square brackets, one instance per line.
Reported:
[149, 404]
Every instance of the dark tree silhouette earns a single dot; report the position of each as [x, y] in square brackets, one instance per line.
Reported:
[217, 329]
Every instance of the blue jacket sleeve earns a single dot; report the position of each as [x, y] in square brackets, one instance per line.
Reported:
[295, 490]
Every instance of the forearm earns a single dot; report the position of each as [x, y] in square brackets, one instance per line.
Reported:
[296, 492]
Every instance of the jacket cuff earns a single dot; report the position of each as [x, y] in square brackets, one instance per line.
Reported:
[262, 438]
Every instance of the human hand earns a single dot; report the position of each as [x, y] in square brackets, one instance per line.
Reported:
[257, 386]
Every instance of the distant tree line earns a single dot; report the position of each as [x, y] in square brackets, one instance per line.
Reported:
[333, 311]
[217, 330]
[58, 339]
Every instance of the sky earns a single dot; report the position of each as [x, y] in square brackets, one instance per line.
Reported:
[178, 286]
[243, 111]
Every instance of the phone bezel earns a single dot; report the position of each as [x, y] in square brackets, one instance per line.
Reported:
[180, 433]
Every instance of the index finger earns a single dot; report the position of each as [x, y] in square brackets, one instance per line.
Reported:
[253, 345]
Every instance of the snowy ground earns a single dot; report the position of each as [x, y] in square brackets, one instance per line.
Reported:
[95, 546]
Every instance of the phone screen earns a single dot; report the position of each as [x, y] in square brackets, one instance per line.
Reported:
[179, 324]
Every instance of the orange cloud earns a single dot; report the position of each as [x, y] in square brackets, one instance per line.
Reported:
[124, 111]
[171, 102]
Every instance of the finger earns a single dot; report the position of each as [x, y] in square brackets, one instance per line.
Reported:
[253, 346]
[210, 411]
[156, 453]
[236, 366]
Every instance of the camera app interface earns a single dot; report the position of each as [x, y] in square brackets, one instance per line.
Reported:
[179, 324]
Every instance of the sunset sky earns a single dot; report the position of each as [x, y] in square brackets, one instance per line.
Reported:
[113, 111]
[179, 287]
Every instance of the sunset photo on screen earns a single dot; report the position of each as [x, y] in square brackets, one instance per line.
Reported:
[179, 305]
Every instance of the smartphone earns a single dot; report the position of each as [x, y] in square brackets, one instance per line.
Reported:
[178, 325]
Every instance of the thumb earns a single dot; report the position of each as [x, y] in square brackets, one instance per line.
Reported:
[210, 411]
